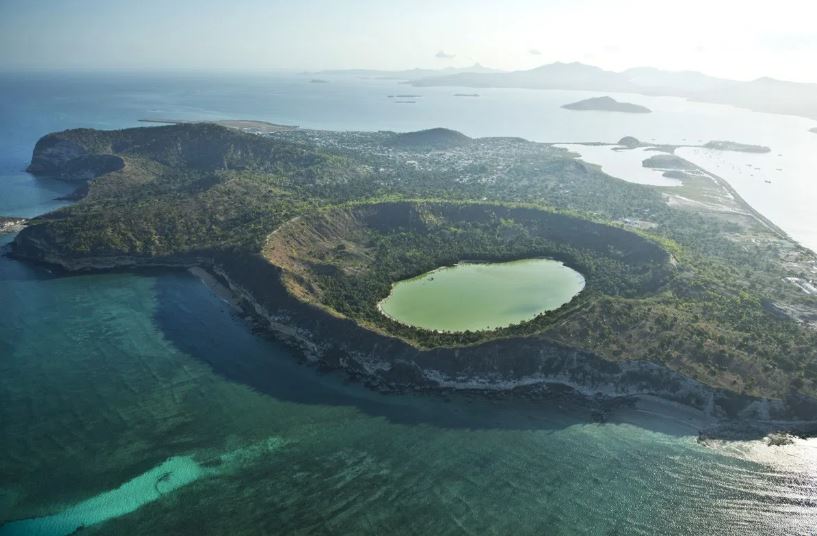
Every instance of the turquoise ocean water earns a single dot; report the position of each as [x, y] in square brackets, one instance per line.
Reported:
[137, 403]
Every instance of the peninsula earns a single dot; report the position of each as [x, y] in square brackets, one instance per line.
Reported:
[737, 147]
[309, 230]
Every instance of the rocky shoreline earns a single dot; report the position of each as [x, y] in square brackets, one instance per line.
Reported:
[518, 367]
[529, 368]
[514, 364]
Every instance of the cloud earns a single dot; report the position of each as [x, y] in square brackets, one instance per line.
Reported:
[535, 52]
[443, 55]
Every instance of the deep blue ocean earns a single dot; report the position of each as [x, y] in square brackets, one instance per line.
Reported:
[138, 403]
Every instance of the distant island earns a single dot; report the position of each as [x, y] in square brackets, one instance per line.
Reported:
[466, 94]
[629, 141]
[737, 147]
[318, 81]
[792, 98]
[814, 130]
[607, 104]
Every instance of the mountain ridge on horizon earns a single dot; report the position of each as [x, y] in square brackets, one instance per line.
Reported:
[409, 74]
[763, 94]
[479, 68]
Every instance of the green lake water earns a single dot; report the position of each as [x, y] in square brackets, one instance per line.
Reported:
[480, 296]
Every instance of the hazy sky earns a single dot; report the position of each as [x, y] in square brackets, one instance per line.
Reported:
[738, 39]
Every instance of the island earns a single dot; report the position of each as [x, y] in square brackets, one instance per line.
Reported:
[814, 130]
[737, 147]
[668, 162]
[310, 230]
[630, 142]
[607, 104]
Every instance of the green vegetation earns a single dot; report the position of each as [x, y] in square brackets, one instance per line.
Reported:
[704, 291]
[347, 258]
[434, 138]
[190, 187]
[667, 161]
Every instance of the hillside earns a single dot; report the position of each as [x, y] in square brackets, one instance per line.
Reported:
[431, 139]
[347, 258]
[180, 188]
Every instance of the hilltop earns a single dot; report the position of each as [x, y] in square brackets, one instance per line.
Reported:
[434, 138]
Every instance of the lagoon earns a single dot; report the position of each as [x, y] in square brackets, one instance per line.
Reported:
[480, 296]
[622, 163]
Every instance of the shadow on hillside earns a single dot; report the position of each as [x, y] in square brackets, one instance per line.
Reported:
[204, 327]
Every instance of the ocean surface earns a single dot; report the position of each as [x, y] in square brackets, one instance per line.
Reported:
[138, 403]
